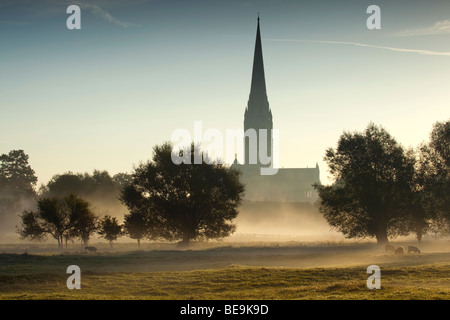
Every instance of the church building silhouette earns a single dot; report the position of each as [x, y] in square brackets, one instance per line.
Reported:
[289, 184]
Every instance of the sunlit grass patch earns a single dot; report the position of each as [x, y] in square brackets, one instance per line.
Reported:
[422, 282]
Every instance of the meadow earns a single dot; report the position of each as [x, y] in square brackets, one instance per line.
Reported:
[226, 271]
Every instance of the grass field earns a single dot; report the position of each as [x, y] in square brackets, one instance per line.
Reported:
[268, 272]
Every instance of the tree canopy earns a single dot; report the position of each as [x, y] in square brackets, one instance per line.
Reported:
[184, 201]
[16, 175]
[110, 229]
[99, 188]
[433, 177]
[372, 185]
[99, 184]
[17, 187]
[62, 218]
[136, 225]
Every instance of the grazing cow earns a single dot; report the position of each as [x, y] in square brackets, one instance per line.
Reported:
[412, 249]
[399, 250]
[91, 249]
[389, 247]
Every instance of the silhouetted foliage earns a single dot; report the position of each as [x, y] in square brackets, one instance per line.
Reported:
[122, 180]
[136, 225]
[99, 188]
[86, 224]
[16, 175]
[110, 229]
[185, 201]
[99, 184]
[17, 187]
[433, 177]
[62, 218]
[372, 187]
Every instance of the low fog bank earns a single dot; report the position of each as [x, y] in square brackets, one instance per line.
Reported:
[258, 223]
[126, 257]
[289, 221]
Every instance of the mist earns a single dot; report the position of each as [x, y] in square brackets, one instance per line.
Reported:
[11, 206]
[282, 221]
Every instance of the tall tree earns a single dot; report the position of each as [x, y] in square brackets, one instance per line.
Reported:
[373, 178]
[17, 188]
[433, 176]
[184, 201]
[16, 174]
[110, 229]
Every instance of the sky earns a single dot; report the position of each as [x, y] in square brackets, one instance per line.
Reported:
[101, 97]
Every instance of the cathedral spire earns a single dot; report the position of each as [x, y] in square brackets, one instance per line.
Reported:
[258, 94]
[258, 115]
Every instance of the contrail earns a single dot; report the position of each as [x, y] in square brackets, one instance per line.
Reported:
[96, 10]
[358, 44]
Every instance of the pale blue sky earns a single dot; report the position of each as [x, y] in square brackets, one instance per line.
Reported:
[103, 96]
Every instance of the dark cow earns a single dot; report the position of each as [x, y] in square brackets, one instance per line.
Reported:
[399, 250]
[412, 249]
[91, 249]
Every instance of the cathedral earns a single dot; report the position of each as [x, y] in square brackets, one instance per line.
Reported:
[288, 184]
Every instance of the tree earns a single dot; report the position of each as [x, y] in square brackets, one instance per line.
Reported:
[66, 183]
[16, 174]
[98, 187]
[136, 225]
[110, 229]
[433, 176]
[184, 201]
[122, 180]
[31, 228]
[17, 187]
[373, 178]
[99, 184]
[85, 223]
[62, 218]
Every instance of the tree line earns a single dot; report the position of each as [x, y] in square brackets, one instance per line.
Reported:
[164, 201]
[379, 189]
[66, 218]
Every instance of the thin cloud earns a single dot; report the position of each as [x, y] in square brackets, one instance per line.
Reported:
[15, 23]
[99, 12]
[44, 8]
[358, 44]
[440, 27]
